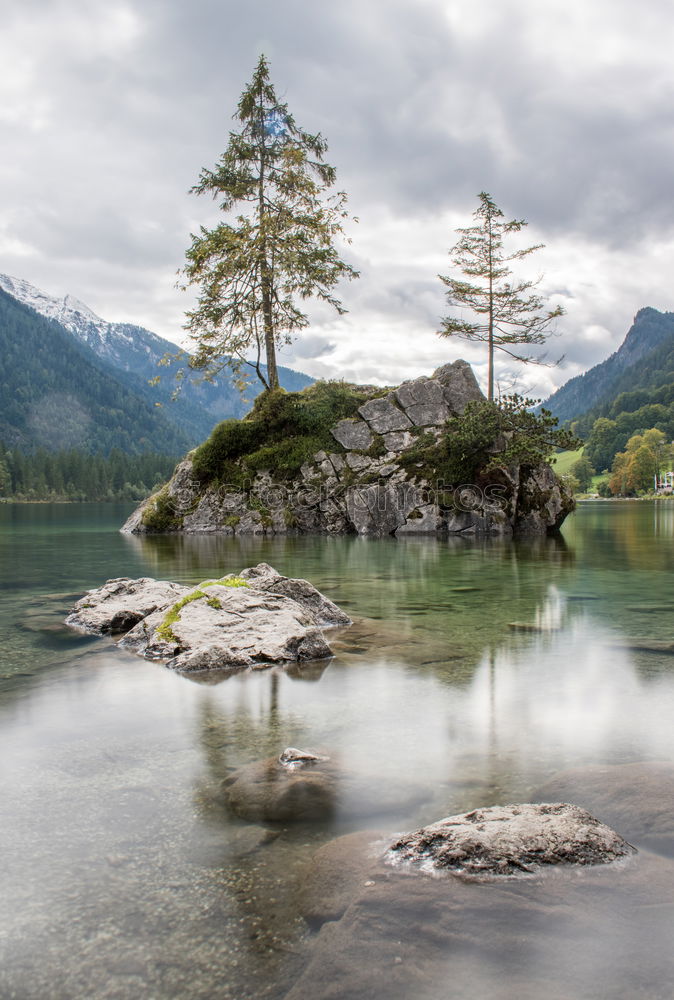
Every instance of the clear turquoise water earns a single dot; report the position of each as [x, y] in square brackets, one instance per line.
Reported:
[123, 874]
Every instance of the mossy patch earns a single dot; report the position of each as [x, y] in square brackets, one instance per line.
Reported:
[160, 515]
[165, 631]
[377, 449]
[282, 432]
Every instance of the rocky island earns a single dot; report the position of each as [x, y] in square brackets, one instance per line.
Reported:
[338, 458]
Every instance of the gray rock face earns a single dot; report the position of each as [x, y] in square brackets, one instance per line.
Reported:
[353, 434]
[398, 441]
[460, 385]
[121, 603]
[424, 401]
[541, 503]
[381, 492]
[383, 415]
[239, 625]
[319, 608]
[508, 840]
[382, 508]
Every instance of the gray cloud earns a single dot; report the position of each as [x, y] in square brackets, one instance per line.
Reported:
[562, 110]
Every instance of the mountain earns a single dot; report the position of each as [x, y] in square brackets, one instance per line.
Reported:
[131, 354]
[56, 393]
[621, 372]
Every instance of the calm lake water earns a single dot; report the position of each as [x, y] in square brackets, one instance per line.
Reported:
[124, 876]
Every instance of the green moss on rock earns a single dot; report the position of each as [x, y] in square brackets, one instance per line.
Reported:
[160, 515]
[165, 630]
[281, 433]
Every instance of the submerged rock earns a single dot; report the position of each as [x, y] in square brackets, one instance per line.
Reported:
[587, 930]
[506, 840]
[598, 932]
[637, 798]
[258, 617]
[276, 790]
[335, 874]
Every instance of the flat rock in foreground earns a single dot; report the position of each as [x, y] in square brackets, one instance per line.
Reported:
[636, 798]
[229, 626]
[257, 617]
[506, 840]
[587, 930]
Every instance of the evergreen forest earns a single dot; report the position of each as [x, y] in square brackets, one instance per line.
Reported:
[76, 475]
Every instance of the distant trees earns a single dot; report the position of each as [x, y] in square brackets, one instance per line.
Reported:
[583, 471]
[252, 271]
[508, 314]
[634, 469]
[608, 436]
[76, 475]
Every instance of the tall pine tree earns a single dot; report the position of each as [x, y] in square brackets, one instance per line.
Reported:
[253, 270]
[508, 313]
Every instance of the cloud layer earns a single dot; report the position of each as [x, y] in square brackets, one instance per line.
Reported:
[561, 110]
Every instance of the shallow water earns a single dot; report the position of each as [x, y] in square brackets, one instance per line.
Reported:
[474, 671]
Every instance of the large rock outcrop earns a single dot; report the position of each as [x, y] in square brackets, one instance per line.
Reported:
[372, 480]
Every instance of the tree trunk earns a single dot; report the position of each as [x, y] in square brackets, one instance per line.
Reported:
[269, 340]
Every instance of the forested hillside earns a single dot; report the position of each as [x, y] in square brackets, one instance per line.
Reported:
[55, 393]
[622, 371]
[135, 357]
[644, 399]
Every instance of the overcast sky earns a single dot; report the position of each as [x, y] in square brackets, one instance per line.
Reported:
[563, 110]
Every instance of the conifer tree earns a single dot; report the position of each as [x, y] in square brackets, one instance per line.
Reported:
[253, 270]
[508, 313]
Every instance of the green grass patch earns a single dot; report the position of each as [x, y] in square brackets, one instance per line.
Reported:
[563, 460]
[165, 630]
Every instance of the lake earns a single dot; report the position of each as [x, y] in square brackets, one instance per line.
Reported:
[123, 874]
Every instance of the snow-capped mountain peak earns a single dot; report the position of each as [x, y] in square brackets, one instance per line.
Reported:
[74, 315]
